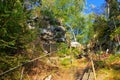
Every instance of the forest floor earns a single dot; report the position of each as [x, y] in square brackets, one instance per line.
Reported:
[64, 69]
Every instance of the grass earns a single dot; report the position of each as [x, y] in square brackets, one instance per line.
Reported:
[111, 69]
[108, 74]
[66, 62]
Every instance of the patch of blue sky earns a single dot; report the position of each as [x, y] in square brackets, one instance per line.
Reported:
[32, 6]
[37, 3]
[92, 4]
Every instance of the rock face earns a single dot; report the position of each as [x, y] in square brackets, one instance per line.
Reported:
[52, 35]
[75, 44]
[51, 32]
[55, 34]
[51, 29]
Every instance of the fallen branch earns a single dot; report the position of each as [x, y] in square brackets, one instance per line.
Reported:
[23, 64]
[21, 77]
[93, 68]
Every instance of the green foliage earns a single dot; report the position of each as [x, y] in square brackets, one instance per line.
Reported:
[14, 32]
[110, 67]
[101, 29]
[8, 62]
[112, 62]
[75, 52]
[65, 62]
[63, 8]
[86, 29]
[109, 74]
[114, 8]
[70, 13]
[63, 49]
[115, 33]
[100, 64]
[113, 58]
[15, 36]
[106, 26]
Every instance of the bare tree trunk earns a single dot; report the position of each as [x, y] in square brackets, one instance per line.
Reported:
[74, 37]
[108, 10]
[73, 34]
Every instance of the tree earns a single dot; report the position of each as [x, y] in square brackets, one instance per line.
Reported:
[70, 13]
[14, 32]
[113, 21]
[105, 26]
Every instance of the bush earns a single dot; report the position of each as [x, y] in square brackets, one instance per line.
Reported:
[14, 32]
[66, 61]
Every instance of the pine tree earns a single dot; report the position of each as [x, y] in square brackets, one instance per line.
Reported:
[14, 32]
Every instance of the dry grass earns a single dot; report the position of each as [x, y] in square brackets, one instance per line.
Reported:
[108, 74]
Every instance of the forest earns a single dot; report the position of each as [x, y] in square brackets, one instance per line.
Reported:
[59, 40]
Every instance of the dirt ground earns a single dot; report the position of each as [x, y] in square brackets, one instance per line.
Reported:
[55, 70]
[70, 72]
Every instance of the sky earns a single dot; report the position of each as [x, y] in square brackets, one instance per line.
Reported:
[91, 4]
[95, 2]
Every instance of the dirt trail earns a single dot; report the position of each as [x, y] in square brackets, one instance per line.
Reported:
[58, 71]
[71, 72]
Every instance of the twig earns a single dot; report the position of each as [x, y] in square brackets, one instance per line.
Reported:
[21, 77]
[93, 68]
[25, 63]
[11, 69]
